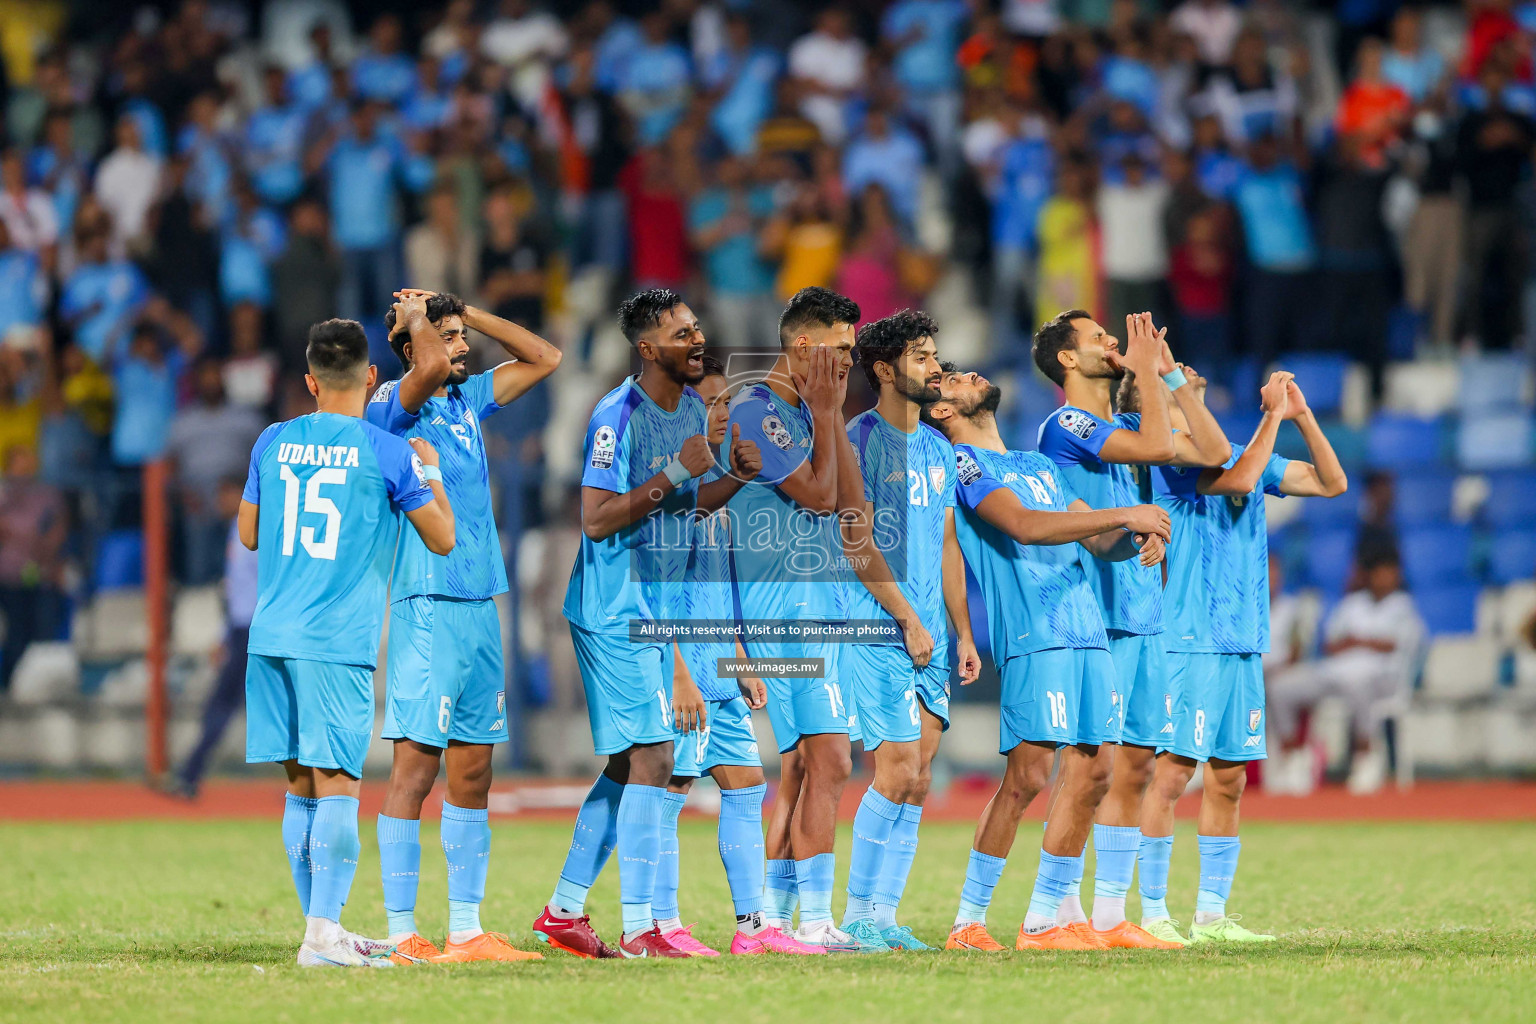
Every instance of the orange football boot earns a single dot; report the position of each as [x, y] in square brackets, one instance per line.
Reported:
[485, 946]
[973, 936]
[413, 949]
[1085, 933]
[1054, 938]
[1126, 935]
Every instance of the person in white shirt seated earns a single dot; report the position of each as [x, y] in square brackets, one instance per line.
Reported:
[1371, 644]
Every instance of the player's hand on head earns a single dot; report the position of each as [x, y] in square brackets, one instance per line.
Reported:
[696, 455]
[1295, 401]
[424, 451]
[746, 457]
[918, 642]
[754, 691]
[1149, 519]
[1272, 396]
[409, 305]
[423, 293]
[968, 662]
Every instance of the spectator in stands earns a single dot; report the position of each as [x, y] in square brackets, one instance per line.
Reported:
[595, 154]
[876, 267]
[1202, 268]
[1135, 248]
[658, 229]
[33, 529]
[654, 85]
[441, 255]
[806, 240]
[925, 35]
[885, 155]
[1272, 206]
[127, 183]
[1355, 256]
[1371, 645]
[209, 441]
[250, 372]
[23, 291]
[21, 407]
[228, 695]
[308, 276]
[741, 76]
[829, 64]
[28, 212]
[1213, 24]
[1434, 245]
[1254, 99]
[1374, 110]
[514, 259]
[724, 222]
[1297, 768]
[104, 293]
[382, 71]
[1068, 268]
[1378, 518]
[1409, 63]
[274, 141]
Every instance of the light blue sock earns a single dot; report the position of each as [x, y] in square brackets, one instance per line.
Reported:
[1075, 886]
[1152, 862]
[400, 866]
[897, 866]
[298, 819]
[1218, 867]
[741, 846]
[1115, 847]
[640, 813]
[333, 850]
[1052, 882]
[595, 836]
[781, 894]
[664, 902]
[872, 827]
[813, 877]
[467, 846]
[981, 877]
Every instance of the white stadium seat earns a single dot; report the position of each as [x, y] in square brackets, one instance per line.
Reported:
[1460, 668]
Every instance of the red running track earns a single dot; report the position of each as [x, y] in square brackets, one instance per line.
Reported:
[557, 800]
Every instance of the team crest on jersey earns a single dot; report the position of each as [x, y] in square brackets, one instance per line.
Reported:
[936, 477]
[1254, 718]
[385, 390]
[778, 433]
[501, 701]
[603, 444]
[966, 468]
[1079, 423]
[1168, 704]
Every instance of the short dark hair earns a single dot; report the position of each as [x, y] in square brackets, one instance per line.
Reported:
[815, 307]
[884, 340]
[337, 352]
[713, 367]
[439, 307]
[925, 410]
[1055, 336]
[644, 310]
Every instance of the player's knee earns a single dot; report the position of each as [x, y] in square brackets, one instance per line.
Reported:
[1170, 782]
[1022, 782]
[828, 764]
[1133, 774]
[1227, 785]
[918, 794]
[1097, 776]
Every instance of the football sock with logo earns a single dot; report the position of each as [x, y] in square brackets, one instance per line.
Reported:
[1152, 865]
[592, 842]
[298, 818]
[1218, 867]
[333, 850]
[1051, 884]
[639, 846]
[1115, 848]
[813, 877]
[400, 866]
[740, 841]
[466, 834]
[981, 877]
[781, 894]
[897, 865]
[664, 902]
[872, 827]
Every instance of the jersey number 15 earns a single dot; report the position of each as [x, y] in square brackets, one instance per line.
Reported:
[317, 504]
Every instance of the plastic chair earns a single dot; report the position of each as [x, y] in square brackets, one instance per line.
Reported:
[1512, 556]
[1330, 555]
[1423, 497]
[1491, 382]
[1511, 499]
[120, 560]
[1321, 376]
[1449, 608]
[1437, 555]
[1495, 440]
[1396, 441]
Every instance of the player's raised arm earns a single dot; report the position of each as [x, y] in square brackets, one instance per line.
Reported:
[532, 360]
[1152, 442]
[1204, 443]
[1003, 509]
[1244, 475]
[428, 352]
[1324, 476]
[433, 520]
[957, 603]
[1123, 544]
[604, 512]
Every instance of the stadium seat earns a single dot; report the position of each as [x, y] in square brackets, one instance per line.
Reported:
[1434, 555]
[1396, 441]
[1329, 557]
[120, 560]
[1512, 556]
[1517, 603]
[1460, 668]
[1421, 388]
[1240, 423]
[1495, 440]
[1329, 513]
[1490, 382]
[1448, 609]
[1511, 499]
[1424, 497]
[1321, 376]
[197, 621]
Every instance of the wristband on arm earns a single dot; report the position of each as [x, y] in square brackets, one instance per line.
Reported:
[1175, 379]
[432, 473]
[676, 472]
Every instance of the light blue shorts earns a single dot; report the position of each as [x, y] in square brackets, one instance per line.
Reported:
[1220, 711]
[726, 739]
[808, 706]
[887, 689]
[315, 711]
[447, 680]
[629, 690]
[1146, 688]
[1064, 695]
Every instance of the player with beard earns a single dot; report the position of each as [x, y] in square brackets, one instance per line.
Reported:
[646, 446]
[1016, 523]
[903, 547]
[1103, 458]
[447, 680]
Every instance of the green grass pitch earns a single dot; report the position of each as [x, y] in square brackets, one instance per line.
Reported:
[197, 922]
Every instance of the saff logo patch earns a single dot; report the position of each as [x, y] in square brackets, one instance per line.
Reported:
[385, 390]
[966, 467]
[603, 444]
[1078, 423]
[421, 474]
[775, 430]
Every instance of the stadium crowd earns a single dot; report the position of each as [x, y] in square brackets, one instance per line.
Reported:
[184, 190]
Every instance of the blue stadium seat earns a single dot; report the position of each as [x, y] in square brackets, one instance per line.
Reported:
[1330, 555]
[1397, 441]
[1512, 556]
[1449, 608]
[1423, 497]
[120, 560]
[1328, 513]
[1511, 499]
[1491, 382]
[1437, 555]
[1240, 423]
[1495, 440]
[1321, 376]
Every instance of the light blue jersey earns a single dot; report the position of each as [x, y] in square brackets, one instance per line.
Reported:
[710, 594]
[789, 560]
[1037, 596]
[1129, 593]
[910, 481]
[474, 570]
[1218, 587]
[636, 572]
[328, 487]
